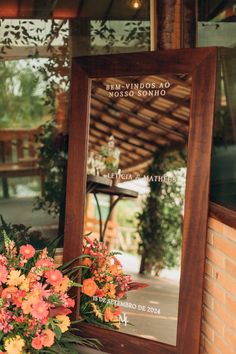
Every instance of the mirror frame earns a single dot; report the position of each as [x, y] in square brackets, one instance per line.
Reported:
[201, 63]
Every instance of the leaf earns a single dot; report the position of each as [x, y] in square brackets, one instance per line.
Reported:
[58, 332]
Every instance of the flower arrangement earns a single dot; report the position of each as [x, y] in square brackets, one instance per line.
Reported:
[34, 303]
[104, 285]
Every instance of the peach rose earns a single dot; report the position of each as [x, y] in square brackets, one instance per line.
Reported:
[89, 287]
[48, 337]
[37, 343]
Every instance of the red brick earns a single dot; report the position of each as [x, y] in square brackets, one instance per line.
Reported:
[210, 348]
[214, 289]
[215, 256]
[231, 304]
[215, 225]
[208, 331]
[230, 267]
[227, 282]
[213, 321]
[208, 300]
[224, 245]
[210, 236]
[223, 346]
[226, 316]
[209, 269]
[230, 233]
[230, 338]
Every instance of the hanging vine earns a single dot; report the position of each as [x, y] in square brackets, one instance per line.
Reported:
[160, 220]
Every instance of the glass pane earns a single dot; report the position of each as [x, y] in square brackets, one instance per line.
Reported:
[33, 127]
[135, 203]
[223, 177]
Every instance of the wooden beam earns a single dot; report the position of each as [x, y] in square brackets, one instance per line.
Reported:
[189, 23]
[166, 20]
[154, 110]
[152, 135]
[44, 8]
[142, 118]
[132, 135]
[111, 132]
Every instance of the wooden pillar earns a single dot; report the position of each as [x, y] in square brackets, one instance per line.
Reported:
[189, 23]
[80, 37]
[177, 24]
[166, 23]
[5, 188]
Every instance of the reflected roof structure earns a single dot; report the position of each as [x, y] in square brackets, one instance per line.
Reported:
[141, 124]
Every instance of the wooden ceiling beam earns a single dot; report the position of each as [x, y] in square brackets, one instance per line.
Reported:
[44, 8]
[110, 132]
[142, 118]
[152, 135]
[132, 135]
[154, 110]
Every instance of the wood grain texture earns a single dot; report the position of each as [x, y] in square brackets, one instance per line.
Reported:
[116, 342]
[77, 164]
[223, 214]
[196, 206]
[201, 64]
[147, 63]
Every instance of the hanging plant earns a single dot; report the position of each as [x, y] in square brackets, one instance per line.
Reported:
[160, 220]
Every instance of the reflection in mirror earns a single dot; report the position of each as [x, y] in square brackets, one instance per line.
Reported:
[136, 173]
[223, 181]
[34, 83]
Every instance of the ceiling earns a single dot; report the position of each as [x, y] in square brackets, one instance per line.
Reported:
[107, 9]
[140, 125]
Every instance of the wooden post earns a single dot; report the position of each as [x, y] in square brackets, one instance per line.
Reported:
[166, 21]
[189, 23]
[5, 188]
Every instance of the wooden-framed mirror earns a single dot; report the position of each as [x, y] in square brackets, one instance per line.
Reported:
[93, 78]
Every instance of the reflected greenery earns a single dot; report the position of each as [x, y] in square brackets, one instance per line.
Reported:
[160, 221]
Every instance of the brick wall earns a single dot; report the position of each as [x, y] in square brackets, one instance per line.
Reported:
[219, 308]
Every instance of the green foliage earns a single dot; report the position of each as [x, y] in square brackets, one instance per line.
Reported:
[52, 154]
[111, 35]
[160, 220]
[21, 103]
[137, 33]
[22, 235]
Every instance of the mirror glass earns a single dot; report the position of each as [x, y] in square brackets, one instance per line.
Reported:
[136, 174]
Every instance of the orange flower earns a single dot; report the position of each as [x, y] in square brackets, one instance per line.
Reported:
[44, 263]
[64, 322]
[108, 315]
[89, 287]
[27, 251]
[87, 262]
[54, 277]
[117, 311]
[3, 274]
[63, 286]
[115, 269]
[110, 290]
[37, 343]
[39, 310]
[48, 337]
[8, 292]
